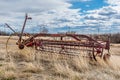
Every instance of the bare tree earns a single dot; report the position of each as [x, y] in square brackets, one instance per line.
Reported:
[44, 30]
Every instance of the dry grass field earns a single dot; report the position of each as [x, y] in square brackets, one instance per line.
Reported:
[29, 64]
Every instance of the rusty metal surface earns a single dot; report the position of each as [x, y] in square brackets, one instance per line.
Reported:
[63, 43]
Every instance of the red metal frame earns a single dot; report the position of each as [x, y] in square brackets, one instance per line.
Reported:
[97, 47]
[78, 42]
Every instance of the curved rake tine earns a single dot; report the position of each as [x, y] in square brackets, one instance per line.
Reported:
[7, 46]
[93, 54]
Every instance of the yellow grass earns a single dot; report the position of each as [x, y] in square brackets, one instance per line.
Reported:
[29, 64]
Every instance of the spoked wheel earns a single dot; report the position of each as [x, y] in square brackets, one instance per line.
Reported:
[12, 48]
[99, 53]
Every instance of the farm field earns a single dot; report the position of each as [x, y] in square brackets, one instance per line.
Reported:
[29, 64]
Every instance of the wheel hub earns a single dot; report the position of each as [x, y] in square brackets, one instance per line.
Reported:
[21, 46]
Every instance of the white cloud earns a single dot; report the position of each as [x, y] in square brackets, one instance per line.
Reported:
[54, 13]
[31, 6]
[113, 2]
[57, 13]
[104, 17]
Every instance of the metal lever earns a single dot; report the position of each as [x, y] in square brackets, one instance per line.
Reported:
[10, 27]
[26, 18]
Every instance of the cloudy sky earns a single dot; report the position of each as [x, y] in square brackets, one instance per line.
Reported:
[82, 16]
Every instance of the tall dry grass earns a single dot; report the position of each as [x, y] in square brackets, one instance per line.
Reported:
[29, 64]
[33, 65]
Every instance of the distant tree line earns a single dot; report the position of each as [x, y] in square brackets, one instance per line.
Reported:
[4, 33]
[114, 37]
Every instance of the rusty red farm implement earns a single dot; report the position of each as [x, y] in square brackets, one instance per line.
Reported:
[66, 43]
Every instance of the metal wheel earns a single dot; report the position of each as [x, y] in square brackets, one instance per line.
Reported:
[12, 48]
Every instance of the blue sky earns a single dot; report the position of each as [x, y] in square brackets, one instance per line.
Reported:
[82, 16]
[89, 5]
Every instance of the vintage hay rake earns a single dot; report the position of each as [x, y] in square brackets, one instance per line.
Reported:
[68, 44]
